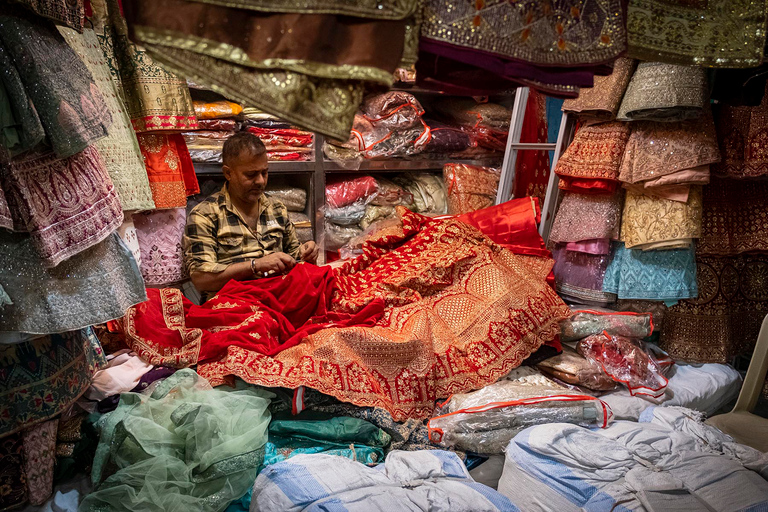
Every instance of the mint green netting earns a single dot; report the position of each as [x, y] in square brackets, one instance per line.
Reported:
[186, 447]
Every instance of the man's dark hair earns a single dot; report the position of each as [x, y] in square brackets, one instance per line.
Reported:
[240, 143]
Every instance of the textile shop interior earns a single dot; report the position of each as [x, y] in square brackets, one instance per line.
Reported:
[470, 255]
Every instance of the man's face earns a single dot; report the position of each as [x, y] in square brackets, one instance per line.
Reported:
[247, 176]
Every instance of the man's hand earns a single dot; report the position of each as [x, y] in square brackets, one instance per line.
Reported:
[308, 252]
[276, 263]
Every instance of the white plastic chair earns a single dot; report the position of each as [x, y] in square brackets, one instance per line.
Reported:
[740, 423]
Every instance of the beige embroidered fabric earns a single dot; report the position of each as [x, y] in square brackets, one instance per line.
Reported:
[602, 101]
[655, 150]
[587, 217]
[664, 92]
[654, 223]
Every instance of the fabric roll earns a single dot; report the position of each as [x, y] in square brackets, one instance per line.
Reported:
[591, 163]
[159, 234]
[653, 223]
[652, 275]
[470, 187]
[603, 99]
[655, 150]
[742, 135]
[66, 205]
[587, 217]
[119, 149]
[70, 107]
[15, 493]
[170, 169]
[728, 35]
[92, 287]
[664, 92]
[39, 458]
[43, 377]
[155, 98]
[579, 276]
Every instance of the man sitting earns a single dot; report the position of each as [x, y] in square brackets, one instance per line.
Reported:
[238, 232]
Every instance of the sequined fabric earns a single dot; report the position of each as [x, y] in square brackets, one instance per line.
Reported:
[470, 187]
[21, 129]
[127, 233]
[155, 98]
[711, 33]
[14, 481]
[90, 288]
[664, 92]
[70, 107]
[735, 218]
[374, 9]
[652, 275]
[579, 276]
[658, 149]
[654, 223]
[743, 136]
[460, 314]
[119, 149]
[724, 320]
[587, 217]
[593, 157]
[67, 205]
[39, 458]
[159, 235]
[170, 169]
[602, 101]
[70, 13]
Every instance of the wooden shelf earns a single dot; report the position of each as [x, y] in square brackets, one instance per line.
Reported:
[203, 169]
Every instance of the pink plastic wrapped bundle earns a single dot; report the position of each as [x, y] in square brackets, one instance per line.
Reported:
[344, 192]
[627, 361]
[584, 323]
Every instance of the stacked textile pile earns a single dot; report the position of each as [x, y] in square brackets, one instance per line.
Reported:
[217, 121]
[295, 200]
[284, 142]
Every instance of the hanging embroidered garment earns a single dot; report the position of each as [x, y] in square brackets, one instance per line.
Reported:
[20, 126]
[652, 275]
[532, 167]
[725, 319]
[156, 99]
[470, 187]
[44, 376]
[68, 103]
[718, 33]
[93, 287]
[460, 313]
[743, 136]
[171, 172]
[119, 149]
[39, 458]
[159, 235]
[67, 205]
[664, 92]
[653, 223]
[579, 276]
[14, 479]
[70, 13]
[587, 217]
[603, 99]
[591, 162]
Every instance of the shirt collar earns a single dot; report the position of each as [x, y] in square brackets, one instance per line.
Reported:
[226, 200]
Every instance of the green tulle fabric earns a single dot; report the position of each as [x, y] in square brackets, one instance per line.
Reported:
[184, 447]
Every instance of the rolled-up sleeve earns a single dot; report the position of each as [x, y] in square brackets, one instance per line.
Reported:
[199, 244]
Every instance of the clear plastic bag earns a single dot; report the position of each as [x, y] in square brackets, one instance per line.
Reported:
[295, 199]
[586, 322]
[627, 361]
[470, 187]
[393, 110]
[375, 213]
[216, 109]
[391, 194]
[346, 191]
[205, 155]
[485, 421]
[575, 369]
[348, 215]
[337, 236]
[428, 190]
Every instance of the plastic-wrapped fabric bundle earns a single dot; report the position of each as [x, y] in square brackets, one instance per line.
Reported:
[487, 123]
[185, 447]
[391, 194]
[216, 109]
[205, 155]
[393, 110]
[295, 199]
[446, 139]
[283, 137]
[572, 368]
[470, 187]
[485, 421]
[345, 191]
[337, 236]
[428, 191]
[375, 213]
[627, 361]
[206, 136]
[227, 125]
[299, 219]
[378, 139]
[346, 215]
[584, 323]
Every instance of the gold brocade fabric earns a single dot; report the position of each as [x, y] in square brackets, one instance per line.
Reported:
[735, 218]
[707, 33]
[602, 101]
[743, 136]
[655, 223]
[724, 320]
[664, 92]
[373, 9]
[155, 98]
[587, 217]
[660, 149]
[69, 13]
[595, 152]
[555, 33]
[460, 313]
[322, 105]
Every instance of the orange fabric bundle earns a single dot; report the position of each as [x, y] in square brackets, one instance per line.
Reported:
[217, 109]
